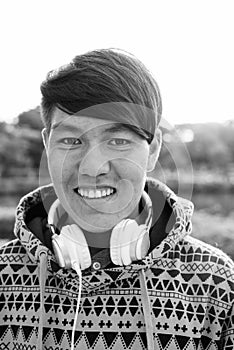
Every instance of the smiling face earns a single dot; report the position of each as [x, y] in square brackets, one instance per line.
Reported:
[98, 168]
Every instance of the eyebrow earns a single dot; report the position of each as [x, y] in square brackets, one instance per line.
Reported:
[117, 127]
[112, 129]
[64, 126]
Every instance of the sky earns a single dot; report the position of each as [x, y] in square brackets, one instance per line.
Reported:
[187, 45]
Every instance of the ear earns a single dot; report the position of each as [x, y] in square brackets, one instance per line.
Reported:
[45, 138]
[154, 150]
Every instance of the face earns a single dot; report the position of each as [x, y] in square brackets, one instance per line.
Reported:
[98, 169]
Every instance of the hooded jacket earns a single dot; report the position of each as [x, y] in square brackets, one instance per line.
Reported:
[180, 296]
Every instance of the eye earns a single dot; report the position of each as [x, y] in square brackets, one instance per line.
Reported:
[120, 142]
[70, 141]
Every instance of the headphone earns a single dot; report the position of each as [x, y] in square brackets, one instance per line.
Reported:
[129, 241]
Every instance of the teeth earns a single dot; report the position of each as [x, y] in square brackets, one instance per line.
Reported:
[95, 193]
[98, 194]
[91, 194]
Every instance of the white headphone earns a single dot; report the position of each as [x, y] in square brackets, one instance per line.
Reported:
[129, 241]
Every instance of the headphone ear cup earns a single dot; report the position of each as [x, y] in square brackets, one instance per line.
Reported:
[126, 241]
[114, 243]
[133, 244]
[143, 242]
[129, 242]
[60, 251]
[71, 246]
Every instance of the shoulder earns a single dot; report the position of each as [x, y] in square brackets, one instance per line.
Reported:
[13, 246]
[11, 254]
[207, 261]
[206, 251]
[16, 267]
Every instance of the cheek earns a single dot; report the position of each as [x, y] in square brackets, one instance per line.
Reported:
[132, 176]
[61, 167]
[137, 174]
[136, 167]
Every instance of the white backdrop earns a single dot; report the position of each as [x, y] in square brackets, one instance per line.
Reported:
[188, 45]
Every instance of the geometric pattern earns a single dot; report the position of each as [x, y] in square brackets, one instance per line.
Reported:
[190, 286]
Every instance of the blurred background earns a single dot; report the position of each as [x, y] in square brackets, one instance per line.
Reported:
[187, 46]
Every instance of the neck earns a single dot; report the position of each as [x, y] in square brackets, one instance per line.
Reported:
[101, 240]
[98, 241]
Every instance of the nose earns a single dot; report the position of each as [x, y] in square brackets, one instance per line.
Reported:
[94, 163]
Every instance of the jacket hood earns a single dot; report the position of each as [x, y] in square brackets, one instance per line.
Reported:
[32, 230]
[171, 223]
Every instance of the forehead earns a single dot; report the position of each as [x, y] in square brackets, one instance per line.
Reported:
[62, 121]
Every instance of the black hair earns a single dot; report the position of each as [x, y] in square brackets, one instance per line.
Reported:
[101, 77]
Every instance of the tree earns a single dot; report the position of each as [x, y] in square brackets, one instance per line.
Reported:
[13, 154]
[30, 125]
[30, 119]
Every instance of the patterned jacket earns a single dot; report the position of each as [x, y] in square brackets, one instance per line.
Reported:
[180, 296]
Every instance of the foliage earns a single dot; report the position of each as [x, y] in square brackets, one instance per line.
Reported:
[13, 153]
[209, 146]
[21, 145]
[215, 230]
[30, 119]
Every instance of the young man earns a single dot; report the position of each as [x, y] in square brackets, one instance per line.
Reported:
[103, 257]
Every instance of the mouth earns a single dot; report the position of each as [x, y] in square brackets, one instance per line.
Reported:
[95, 193]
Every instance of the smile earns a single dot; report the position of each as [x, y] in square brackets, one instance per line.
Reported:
[95, 193]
